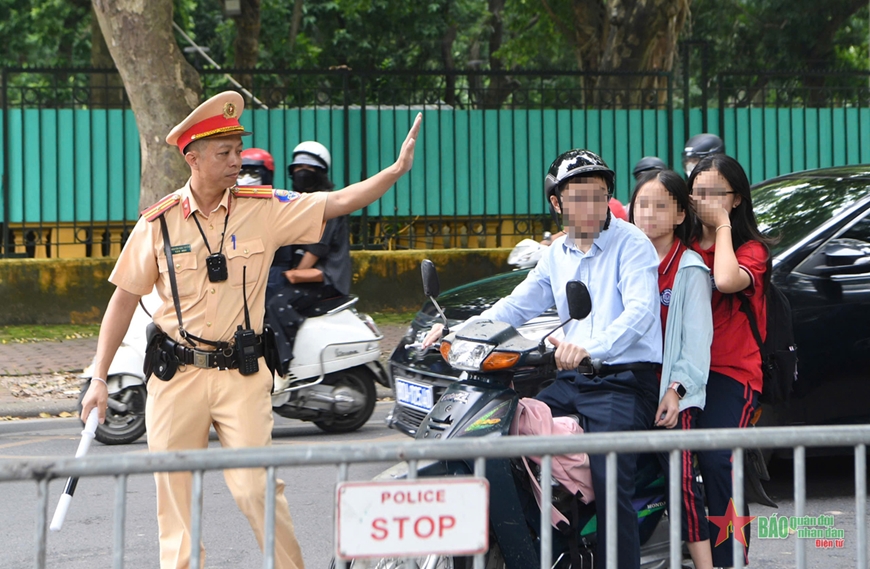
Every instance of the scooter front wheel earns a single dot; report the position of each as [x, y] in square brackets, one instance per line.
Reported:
[126, 427]
[360, 380]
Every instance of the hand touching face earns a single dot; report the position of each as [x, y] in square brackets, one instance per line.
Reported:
[714, 198]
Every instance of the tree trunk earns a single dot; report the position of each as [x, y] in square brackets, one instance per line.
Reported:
[642, 37]
[500, 87]
[823, 47]
[246, 47]
[161, 85]
[295, 23]
[583, 25]
[623, 36]
[447, 56]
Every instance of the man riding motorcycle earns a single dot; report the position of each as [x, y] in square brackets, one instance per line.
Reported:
[623, 331]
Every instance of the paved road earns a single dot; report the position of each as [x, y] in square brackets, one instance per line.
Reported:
[85, 541]
[830, 491]
[38, 360]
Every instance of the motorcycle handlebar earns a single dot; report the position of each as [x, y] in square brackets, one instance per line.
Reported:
[587, 366]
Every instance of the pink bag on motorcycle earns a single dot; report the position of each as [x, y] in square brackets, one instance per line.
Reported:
[534, 417]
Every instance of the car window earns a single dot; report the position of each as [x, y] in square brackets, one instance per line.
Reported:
[791, 208]
[859, 232]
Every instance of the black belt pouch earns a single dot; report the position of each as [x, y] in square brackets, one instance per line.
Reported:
[156, 359]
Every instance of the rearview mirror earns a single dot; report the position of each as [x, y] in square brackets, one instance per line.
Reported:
[431, 287]
[579, 306]
[845, 257]
[579, 301]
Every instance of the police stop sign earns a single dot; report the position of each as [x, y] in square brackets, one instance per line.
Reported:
[446, 516]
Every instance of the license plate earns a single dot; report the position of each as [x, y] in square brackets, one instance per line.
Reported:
[414, 395]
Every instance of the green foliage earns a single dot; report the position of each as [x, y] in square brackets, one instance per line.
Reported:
[392, 318]
[383, 34]
[434, 34]
[45, 33]
[46, 333]
[532, 41]
[781, 34]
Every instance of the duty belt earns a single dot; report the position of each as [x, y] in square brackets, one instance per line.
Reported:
[227, 358]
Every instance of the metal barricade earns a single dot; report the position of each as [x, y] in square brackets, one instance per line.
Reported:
[43, 470]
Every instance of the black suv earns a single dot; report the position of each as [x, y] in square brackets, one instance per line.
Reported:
[821, 262]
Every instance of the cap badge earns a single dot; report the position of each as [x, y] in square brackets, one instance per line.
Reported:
[229, 110]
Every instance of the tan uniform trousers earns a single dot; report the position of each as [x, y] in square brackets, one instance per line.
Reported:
[179, 413]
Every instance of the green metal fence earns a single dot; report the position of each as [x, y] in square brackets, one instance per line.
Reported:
[70, 148]
[82, 165]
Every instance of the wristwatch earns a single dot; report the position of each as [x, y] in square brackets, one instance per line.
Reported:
[681, 391]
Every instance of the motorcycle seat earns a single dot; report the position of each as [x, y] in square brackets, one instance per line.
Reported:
[324, 305]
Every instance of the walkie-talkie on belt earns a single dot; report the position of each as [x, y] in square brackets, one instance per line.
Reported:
[246, 340]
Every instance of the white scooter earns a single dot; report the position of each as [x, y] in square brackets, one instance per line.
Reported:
[330, 381]
[331, 378]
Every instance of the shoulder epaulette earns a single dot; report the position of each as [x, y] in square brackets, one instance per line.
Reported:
[161, 207]
[253, 192]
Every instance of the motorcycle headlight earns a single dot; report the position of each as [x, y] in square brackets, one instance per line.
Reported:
[468, 355]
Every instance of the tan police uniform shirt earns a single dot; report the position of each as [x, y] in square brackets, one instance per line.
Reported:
[256, 227]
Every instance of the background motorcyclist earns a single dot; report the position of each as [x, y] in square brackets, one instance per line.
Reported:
[698, 147]
[647, 164]
[258, 168]
[301, 275]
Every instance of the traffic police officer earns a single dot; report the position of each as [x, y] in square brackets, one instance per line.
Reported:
[218, 244]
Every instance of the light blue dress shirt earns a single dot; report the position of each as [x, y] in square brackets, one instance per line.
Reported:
[621, 272]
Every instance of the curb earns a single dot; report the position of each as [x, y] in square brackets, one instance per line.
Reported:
[29, 409]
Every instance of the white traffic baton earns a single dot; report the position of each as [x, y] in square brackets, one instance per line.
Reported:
[88, 434]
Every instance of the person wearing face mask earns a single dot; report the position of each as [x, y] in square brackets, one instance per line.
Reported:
[258, 168]
[302, 275]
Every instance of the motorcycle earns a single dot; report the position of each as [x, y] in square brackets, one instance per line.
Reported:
[483, 403]
[497, 362]
[331, 381]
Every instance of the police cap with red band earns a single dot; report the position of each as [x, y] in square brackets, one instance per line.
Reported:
[218, 116]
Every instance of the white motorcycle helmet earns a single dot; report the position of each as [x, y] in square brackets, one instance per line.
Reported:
[310, 153]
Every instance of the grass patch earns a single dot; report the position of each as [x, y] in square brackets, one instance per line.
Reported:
[381, 318]
[46, 333]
